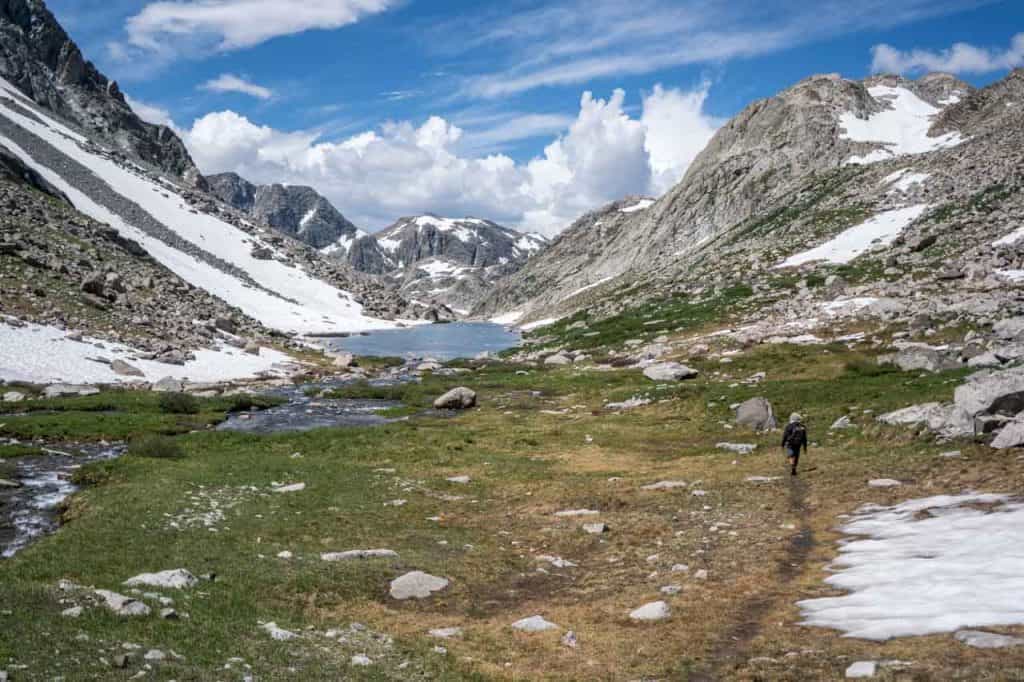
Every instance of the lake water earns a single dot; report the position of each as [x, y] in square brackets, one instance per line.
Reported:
[439, 341]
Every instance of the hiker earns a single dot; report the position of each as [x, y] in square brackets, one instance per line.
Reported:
[793, 439]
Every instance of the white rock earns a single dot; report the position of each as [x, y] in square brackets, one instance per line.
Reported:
[702, 574]
[556, 561]
[862, 669]
[671, 589]
[577, 512]
[533, 624]
[655, 610]
[884, 483]
[280, 634]
[664, 485]
[595, 528]
[13, 397]
[738, 448]
[416, 585]
[670, 371]
[445, 633]
[841, 423]
[361, 660]
[458, 479]
[155, 655]
[285, 555]
[1010, 436]
[122, 605]
[359, 554]
[460, 398]
[73, 612]
[987, 640]
[175, 579]
[291, 488]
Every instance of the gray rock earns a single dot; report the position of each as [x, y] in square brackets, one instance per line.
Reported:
[445, 633]
[416, 585]
[460, 398]
[73, 612]
[1011, 435]
[1010, 329]
[980, 639]
[841, 423]
[354, 554]
[738, 448]
[252, 348]
[558, 359]
[124, 369]
[69, 390]
[122, 605]
[175, 579]
[168, 385]
[654, 611]
[986, 359]
[595, 528]
[756, 413]
[534, 624]
[1000, 391]
[343, 360]
[670, 371]
[923, 359]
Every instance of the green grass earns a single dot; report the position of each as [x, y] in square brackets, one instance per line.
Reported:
[119, 415]
[13, 451]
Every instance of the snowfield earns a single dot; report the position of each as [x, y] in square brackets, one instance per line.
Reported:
[312, 304]
[903, 180]
[902, 129]
[42, 354]
[641, 205]
[879, 230]
[927, 566]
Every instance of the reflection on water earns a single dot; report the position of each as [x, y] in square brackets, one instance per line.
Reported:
[439, 341]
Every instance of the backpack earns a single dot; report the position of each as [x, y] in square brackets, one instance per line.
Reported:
[797, 435]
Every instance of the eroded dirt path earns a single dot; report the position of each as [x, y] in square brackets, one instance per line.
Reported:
[731, 649]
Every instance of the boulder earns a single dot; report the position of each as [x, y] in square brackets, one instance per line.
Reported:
[993, 392]
[1011, 436]
[656, 610]
[68, 390]
[13, 397]
[122, 605]
[980, 639]
[1010, 329]
[225, 324]
[460, 398]
[94, 284]
[923, 359]
[533, 624]
[416, 585]
[124, 369]
[756, 413]
[168, 385]
[175, 579]
[670, 371]
[986, 359]
[947, 419]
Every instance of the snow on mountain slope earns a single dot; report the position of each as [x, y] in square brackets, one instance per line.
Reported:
[877, 231]
[900, 129]
[275, 293]
[43, 354]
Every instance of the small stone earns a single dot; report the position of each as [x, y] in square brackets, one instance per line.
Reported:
[445, 633]
[654, 611]
[702, 574]
[533, 624]
[353, 554]
[671, 589]
[279, 634]
[121, 660]
[285, 555]
[122, 605]
[577, 512]
[361, 660]
[458, 479]
[569, 640]
[73, 612]
[416, 585]
[884, 483]
[595, 528]
[841, 423]
[155, 655]
[291, 488]
[664, 485]
[861, 669]
[168, 614]
[460, 398]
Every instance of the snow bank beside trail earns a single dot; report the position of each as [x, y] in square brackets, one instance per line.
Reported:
[43, 355]
[530, 326]
[927, 566]
[879, 230]
[507, 318]
[902, 129]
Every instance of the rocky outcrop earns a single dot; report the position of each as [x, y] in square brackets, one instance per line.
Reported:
[38, 58]
[295, 210]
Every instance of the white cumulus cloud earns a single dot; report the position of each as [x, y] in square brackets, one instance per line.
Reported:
[960, 58]
[174, 27]
[228, 82]
[150, 113]
[403, 168]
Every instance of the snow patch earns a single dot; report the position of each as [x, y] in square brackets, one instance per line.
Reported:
[903, 180]
[926, 566]
[901, 129]
[588, 287]
[530, 326]
[641, 205]
[879, 230]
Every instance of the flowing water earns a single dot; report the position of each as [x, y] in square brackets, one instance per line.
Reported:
[33, 509]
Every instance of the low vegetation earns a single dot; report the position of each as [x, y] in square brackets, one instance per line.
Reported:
[541, 441]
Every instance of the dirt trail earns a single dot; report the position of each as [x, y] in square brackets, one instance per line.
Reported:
[731, 649]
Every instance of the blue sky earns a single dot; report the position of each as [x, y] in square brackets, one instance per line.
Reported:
[476, 107]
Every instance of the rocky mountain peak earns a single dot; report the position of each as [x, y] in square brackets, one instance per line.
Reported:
[40, 59]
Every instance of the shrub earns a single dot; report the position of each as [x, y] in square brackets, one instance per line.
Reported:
[160, 447]
[864, 367]
[179, 403]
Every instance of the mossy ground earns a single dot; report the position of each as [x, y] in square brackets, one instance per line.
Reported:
[540, 441]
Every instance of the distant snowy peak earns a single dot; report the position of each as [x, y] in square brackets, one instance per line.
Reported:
[468, 241]
[295, 210]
